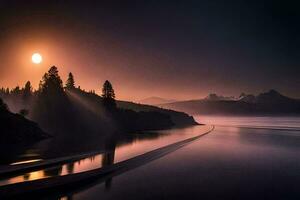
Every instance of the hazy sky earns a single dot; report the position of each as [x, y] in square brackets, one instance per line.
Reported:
[173, 49]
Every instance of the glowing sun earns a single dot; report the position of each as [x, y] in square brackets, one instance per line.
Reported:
[36, 58]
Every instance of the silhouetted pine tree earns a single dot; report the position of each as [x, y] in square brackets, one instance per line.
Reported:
[108, 95]
[53, 108]
[16, 91]
[27, 93]
[70, 84]
[27, 88]
[51, 82]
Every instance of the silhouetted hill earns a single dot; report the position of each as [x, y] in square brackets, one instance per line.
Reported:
[178, 118]
[156, 101]
[70, 111]
[15, 128]
[131, 116]
[96, 118]
[81, 113]
[268, 103]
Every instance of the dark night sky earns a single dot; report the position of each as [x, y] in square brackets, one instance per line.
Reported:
[173, 49]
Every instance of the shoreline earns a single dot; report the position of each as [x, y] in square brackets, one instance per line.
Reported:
[104, 172]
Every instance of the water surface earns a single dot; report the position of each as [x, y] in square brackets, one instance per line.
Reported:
[115, 152]
[229, 163]
[291, 123]
[243, 158]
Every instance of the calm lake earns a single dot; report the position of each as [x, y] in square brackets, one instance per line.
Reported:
[242, 158]
[115, 150]
[291, 123]
[228, 163]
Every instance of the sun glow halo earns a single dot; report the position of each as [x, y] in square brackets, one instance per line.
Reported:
[36, 58]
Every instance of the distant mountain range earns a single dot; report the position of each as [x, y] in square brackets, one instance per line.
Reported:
[267, 103]
[156, 101]
[215, 97]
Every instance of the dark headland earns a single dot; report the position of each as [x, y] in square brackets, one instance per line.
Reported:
[69, 111]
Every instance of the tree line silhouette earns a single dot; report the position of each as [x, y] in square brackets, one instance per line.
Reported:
[51, 87]
[63, 109]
